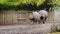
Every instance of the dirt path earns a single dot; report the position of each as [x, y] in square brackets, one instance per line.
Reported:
[26, 29]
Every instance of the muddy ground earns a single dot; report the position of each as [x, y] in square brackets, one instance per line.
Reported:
[26, 29]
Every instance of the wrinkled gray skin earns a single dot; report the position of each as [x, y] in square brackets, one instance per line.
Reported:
[43, 15]
[34, 16]
[39, 16]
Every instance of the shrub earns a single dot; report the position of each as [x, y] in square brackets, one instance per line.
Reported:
[55, 28]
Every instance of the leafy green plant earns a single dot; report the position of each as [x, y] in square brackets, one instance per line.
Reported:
[29, 4]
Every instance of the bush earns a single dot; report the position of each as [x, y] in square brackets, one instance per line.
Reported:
[55, 28]
[20, 4]
[28, 4]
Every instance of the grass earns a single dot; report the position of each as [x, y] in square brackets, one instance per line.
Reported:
[55, 33]
[55, 29]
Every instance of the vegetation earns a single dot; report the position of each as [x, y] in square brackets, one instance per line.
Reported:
[19, 2]
[54, 3]
[55, 33]
[55, 28]
[28, 4]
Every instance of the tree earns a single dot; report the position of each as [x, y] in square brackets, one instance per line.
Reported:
[54, 3]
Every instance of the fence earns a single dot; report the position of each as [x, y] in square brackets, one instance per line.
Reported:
[17, 17]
